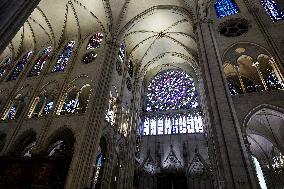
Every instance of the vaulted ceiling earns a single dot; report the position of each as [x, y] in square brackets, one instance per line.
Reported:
[156, 32]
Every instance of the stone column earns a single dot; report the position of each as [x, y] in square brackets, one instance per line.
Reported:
[233, 169]
[13, 14]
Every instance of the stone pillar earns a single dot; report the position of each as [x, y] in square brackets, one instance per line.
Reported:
[233, 169]
[13, 14]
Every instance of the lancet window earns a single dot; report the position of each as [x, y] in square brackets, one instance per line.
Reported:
[40, 62]
[121, 52]
[130, 68]
[20, 66]
[14, 108]
[64, 57]
[225, 8]
[76, 101]
[5, 66]
[272, 10]
[112, 107]
[95, 41]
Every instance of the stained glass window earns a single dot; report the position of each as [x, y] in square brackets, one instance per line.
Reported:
[89, 57]
[98, 168]
[225, 8]
[5, 65]
[48, 107]
[40, 62]
[272, 10]
[95, 41]
[64, 57]
[20, 66]
[121, 52]
[12, 113]
[171, 90]
[273, 82]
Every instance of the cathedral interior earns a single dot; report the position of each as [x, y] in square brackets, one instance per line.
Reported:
[142, 94]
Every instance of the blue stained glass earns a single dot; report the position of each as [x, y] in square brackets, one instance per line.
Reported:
[272, 10]
[12, 113]
[40, 62]
[70, 106]
[64, 57]
[95, 41]
[48, 107]
[20, 66]
[121, 52]
[273, 82]
[5, 66]
[225, 8]
[171, 90]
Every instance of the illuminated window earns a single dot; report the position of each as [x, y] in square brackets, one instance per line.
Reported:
[20, 66]
[272, 10]
[112, 108]
[5, 65]
[130, 68]
[121, 52]
[259, 174]
[40, 62]
[89, 57]
[171, 90]
[95, 41]
[64, 57]
[225, 8]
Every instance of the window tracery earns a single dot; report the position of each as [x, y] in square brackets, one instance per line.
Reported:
[172, 105]
[41, 106]
[95, 41]
[76, 101]
[64, 57]
[171, 90]
[40, 62]
[5, 65]
[20, 66]
[273, 10]
[226, 8]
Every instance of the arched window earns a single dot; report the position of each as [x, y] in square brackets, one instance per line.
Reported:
[89, 57]
[225, 8]
[20, 66]
[40, 62]
[76, 101]
[95, 41]
[41, 106]
[64, 57]
[259, 173]
[121, 52]
[14, 109]
[272, 10]
[5, 65]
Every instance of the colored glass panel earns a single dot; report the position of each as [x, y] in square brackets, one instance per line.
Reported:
[40, 62]
[225, 8]
[64, 57]
[272, 10]
[20, 66]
